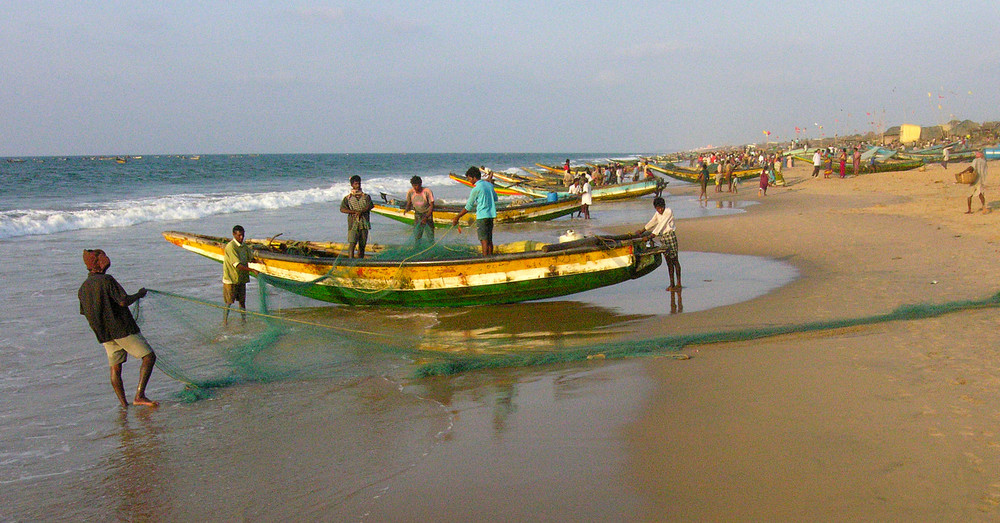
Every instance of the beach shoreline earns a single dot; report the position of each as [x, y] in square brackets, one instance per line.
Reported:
[884, 421]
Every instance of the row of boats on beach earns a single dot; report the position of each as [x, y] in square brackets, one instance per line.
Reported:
[422, 276]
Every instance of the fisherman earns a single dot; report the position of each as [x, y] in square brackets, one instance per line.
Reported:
[482, 199]
[980, 169]
[236, 273]
[661, 228]
[586, 197]
[105, 304]
[357, 206]
[421, 200]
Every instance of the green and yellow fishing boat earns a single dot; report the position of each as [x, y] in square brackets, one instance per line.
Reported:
[533, 210]
[396, 276]
[690, 175]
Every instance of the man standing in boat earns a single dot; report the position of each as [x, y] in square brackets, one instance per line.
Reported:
[236, 273]
[421, 201]
[357, 206]
[482, 199]
[661, 227]
[105, 304]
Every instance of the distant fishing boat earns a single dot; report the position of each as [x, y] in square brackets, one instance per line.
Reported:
[499, 188]
[536, 210]
[691, 175]
[618, 191]
[517, 272]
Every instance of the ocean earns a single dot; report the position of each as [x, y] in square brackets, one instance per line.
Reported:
[344, 441]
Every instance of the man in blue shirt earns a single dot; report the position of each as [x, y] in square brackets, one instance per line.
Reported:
[483, 200]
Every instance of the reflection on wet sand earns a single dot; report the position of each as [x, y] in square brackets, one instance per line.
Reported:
[135, 469]
[676, 302]
[533, 326]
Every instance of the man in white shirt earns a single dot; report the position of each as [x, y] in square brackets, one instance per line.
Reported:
[661, 227]
[980, 168]
[817, 163]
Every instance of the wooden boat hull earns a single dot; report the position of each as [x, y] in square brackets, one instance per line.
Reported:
[535, 211]
[688, 175]
[519, 272]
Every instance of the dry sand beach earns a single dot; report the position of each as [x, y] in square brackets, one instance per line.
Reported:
[891, 421]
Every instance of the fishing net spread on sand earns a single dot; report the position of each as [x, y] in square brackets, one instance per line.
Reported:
[302, 342]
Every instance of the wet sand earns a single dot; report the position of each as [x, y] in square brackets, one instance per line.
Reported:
[884, 422]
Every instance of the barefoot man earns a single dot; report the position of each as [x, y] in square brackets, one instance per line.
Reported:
[661, 227]
[105, 304]
[979, 167]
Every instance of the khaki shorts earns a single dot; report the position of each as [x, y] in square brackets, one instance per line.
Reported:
[119, 349]
[234, 292]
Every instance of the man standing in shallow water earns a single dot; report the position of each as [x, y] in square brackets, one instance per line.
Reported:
[105, 304]
[236, 272]
[661, 227]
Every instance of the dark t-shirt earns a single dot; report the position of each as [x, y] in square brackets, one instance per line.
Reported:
[100, 298]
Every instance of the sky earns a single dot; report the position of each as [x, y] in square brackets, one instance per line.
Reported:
[143, 77]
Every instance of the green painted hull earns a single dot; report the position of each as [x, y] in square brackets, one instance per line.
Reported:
[483, 295]
[520, 271]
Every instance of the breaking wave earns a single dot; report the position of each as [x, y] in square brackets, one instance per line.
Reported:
[19, 222]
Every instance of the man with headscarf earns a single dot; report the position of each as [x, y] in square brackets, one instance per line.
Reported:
[105, 304]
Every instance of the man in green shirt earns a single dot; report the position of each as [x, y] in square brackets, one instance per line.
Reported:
[236, 272]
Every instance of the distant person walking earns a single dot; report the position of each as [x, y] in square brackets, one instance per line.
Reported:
[945, 156]
[357, 206]
[105, 304]
[817, 163]
[703, 180]
[762, 186]
[979, 167]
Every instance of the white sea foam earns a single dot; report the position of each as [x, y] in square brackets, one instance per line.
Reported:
[124, 213]
[28, 222]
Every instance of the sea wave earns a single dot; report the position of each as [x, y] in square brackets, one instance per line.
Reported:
[191, 206]
[20, 222]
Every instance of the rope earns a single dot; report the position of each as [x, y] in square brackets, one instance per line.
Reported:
[266, 315]
[399, 268]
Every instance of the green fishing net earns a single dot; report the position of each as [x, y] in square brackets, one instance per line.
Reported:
[289, 337]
